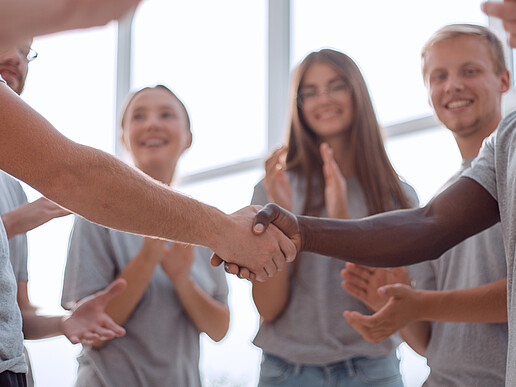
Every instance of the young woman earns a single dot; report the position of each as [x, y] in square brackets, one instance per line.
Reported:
[334, 165]
[172, 292]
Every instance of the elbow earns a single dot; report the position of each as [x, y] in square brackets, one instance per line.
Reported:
[218, 334]
[269, 316]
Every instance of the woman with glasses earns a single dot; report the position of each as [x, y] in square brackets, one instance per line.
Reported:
[334, 165]
[172, 292]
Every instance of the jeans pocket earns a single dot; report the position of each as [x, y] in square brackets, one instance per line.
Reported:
[383, 371]
[274, 369]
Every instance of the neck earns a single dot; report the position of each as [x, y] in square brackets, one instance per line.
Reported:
[469, 146]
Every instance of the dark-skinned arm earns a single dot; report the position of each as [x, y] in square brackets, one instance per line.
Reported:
[394, 238]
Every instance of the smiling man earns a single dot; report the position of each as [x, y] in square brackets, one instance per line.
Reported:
[465, 75]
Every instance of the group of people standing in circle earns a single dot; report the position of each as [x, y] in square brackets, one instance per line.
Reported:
[334, 165]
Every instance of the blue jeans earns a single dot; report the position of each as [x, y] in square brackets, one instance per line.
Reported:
[355, 372]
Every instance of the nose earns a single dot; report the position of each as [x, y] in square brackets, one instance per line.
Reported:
[153, 123]
[454, 83]
[12, 56]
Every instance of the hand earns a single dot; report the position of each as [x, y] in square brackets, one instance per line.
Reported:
[400, 310]
[363, 282]
[262, 254]
[31, 215]
[506, 12]
[153, 248]
[335, 191]
[276, 179]
[88, 322]
[177, 261]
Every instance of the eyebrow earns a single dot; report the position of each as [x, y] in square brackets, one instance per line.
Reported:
[333, 80]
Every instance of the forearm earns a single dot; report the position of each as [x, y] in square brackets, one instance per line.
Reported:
[404, 237]
[417, 335]
[96, 185]
[23, 19]
[138, 274]
[271, 297]
[207, 314]
[482, 304]
[37, 325]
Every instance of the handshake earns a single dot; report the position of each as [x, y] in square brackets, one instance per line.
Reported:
[277, 239]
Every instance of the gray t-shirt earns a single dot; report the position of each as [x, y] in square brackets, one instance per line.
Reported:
[312, 330]
[11, 336]
[466, 354]
[495, 170]
[161, 347]
[12, 196]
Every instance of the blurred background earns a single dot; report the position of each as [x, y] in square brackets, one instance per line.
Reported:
[230, 62]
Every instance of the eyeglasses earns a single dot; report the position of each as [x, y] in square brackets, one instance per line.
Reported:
[335, 90]
[28, 53]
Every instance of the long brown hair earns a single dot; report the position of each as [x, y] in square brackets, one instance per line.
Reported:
[377, 177]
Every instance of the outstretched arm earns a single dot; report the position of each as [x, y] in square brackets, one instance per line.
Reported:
[394, 238]
[506, 12]
[28, 216]
[21, 19]
[85, 323]
[408, 310]
[101, 188]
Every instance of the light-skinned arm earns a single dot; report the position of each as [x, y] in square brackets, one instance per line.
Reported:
[31, 215]
[506, 12]
[22, 19]
[207, 314]
[99, 187]
[410, 309]
[84, 323]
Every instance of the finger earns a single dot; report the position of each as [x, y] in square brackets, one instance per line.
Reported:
[245, 273]
[232, 268]
[264, 217]
[270, 268]
[285, 221]
[355, 291]
[289, 250]
[114, 289]
[74, 339]
[114, 327]
[273, 163]
[105, 334]
[356, 268]
[504, 11]
[361, 280]
[215, 260]
[90, 337]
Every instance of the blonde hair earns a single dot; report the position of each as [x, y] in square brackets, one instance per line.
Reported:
[451, 31]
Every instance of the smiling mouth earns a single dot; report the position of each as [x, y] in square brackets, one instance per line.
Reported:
[153, 143]
[459, 104]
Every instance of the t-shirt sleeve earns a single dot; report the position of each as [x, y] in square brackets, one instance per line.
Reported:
[482, 169]
[423, 276]
[90, 266]
[260, 196]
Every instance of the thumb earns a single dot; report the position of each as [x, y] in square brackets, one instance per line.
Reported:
[215, 260]
[114, 289]
[394, 290]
